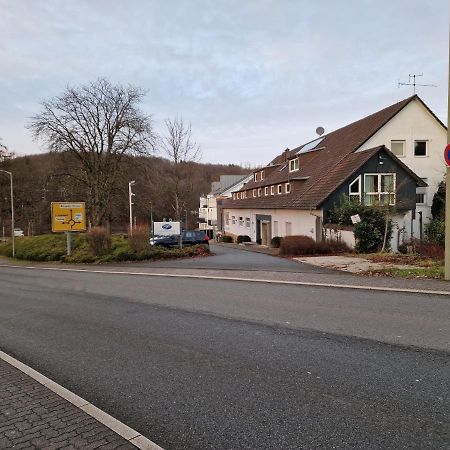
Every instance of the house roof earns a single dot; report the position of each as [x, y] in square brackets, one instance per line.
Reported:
[328, 162]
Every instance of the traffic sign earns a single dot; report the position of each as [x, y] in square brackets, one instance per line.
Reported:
[447, 155]
[68, 216]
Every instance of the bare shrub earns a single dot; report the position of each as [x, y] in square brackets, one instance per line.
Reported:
[139, 240]
[305, 245]
[99, 241]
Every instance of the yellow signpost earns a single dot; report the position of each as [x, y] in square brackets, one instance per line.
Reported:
[68, 216]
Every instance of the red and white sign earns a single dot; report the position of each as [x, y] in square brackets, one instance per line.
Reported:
[447, 155]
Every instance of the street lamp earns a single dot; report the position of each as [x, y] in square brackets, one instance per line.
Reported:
[130, 198]
[12, 211]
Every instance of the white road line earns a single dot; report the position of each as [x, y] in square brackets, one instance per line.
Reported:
[250, 280]
[110, 422]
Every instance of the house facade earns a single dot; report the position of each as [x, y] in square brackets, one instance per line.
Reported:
[209, 219]
[393, 157]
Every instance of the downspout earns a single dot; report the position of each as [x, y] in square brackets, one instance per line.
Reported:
[320, 224]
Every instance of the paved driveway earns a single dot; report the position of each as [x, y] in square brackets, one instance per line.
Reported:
[228, 258]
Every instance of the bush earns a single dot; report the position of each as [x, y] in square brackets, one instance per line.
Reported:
[276, 241]
[433, 251]
[243, 238]
[306, 245]
[227, 239]
[139, 240]
[435, 232]
[99, 241]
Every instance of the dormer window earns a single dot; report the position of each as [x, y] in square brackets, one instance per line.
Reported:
[287, 187]
[266, 190]
[280, 189]
[272, 190]
[238, 195]
[262, 175]
[259, 192]
[294, 165]
[255, 176]
[234, 196]
[254, 192]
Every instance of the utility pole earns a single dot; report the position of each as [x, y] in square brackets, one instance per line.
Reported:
[12, 211]
[447, 182]
[130, 200]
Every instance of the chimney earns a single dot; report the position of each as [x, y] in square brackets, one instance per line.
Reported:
[286, 153]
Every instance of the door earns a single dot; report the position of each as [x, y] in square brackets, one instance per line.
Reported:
[265, 239]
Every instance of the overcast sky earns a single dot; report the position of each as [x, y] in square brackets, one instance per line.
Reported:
[253, 77]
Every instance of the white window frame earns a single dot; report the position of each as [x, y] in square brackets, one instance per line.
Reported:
[238, 195]
[233, 220]
[280, 189]
[426, 148]
[398, 141]
[294, 165]
[234, 195]
[287, 188]
[355, 194]
[247, 222]
[259, 192]
[255, 176]
[241, 221]
[272, 190]
[254, 192]
[378, 193]
[262, 175]
[266, 190]
[422, 191]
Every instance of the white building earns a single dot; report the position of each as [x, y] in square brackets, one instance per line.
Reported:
[294, 194]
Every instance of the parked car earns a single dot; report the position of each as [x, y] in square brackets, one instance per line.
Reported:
[18, 232]
[188, 238]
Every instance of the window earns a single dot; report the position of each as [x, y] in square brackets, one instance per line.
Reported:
[262, 175]
[234, 196]
[421, 194]
[275, 227]
[266, 190]
[280, 188]
[293, 165]
[288, 227]
[354, 190]
[379, 189]
[272, 190]
[254, 192]
[238, 195]
[255, 176]
[398, 148]
[247, 222]
[287, 186]
[241, 221]
[233, 220]
[420, 148]
[259, 192]
[227, 218]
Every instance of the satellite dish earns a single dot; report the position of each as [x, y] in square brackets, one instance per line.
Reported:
[320, 130]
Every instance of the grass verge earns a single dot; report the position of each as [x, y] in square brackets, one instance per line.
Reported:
[53, 248]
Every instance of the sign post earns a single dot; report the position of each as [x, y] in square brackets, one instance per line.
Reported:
[68, 217]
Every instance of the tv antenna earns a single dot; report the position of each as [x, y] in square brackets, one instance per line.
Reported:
[414, 84]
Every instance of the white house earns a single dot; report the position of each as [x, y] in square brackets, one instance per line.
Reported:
[295, 192]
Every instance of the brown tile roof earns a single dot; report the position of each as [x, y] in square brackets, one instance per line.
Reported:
[325, 168]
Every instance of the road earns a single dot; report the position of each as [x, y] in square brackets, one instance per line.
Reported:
[228, 258]
[208, 364]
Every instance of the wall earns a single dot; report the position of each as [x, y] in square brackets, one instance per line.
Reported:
[302, 222]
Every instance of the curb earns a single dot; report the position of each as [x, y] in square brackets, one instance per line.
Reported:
[132, 436]
[249, 280]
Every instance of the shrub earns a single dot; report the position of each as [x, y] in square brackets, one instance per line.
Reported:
[259, 241]
[139, 240]
[435, 231]
[433, 251]
[99, 241]
[305, 245]
[276, 241]
[227, 239]
[243, 238]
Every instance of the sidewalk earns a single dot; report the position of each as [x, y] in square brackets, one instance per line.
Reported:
[34, 417]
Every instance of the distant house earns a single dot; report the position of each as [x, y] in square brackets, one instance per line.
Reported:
[209, 219]
[392, 157]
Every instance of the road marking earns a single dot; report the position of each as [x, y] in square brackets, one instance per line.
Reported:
[110, 422]
[250, 280]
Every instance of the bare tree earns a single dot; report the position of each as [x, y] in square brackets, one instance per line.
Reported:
[4, 152]
[99, 123]
[181, 150]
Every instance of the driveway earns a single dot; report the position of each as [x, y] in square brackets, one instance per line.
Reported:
[228, 258]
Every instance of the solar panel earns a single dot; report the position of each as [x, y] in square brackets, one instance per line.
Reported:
[310, 146]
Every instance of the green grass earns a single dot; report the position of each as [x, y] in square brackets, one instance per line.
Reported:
[436, 272]
[52, 247]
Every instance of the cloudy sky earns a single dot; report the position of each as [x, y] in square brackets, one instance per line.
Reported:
[253, 77]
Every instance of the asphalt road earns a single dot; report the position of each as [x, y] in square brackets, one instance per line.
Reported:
[197, 364]
[228, 258]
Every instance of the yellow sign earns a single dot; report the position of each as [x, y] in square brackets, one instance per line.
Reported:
[68, 216]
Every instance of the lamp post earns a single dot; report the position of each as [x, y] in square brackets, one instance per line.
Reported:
[130, 198]
[12, 211]
[151, 218]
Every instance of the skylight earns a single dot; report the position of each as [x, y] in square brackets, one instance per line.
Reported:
[310, 146]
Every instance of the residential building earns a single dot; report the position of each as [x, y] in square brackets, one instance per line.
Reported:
[392, 157]
[209, 219]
